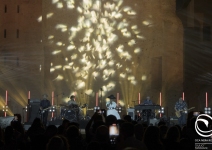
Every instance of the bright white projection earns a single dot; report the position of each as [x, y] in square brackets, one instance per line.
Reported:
[102, 43]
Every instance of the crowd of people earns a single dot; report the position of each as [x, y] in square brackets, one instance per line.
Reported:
[132, 135]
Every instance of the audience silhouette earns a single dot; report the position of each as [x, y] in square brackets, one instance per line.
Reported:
[132, 135]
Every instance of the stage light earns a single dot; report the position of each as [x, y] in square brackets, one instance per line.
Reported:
[207, 110]
[5, 108]
[96, 108]
[161, 110]
[119, 109]
[52, 109]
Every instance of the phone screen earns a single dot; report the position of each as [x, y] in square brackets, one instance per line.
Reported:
[113, 130]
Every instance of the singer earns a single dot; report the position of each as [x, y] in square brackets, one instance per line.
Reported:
[111, 106]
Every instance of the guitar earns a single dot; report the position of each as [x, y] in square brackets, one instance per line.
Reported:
[178, 113]
[41, 111]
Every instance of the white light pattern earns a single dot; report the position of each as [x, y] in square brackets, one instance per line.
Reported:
[101, 41]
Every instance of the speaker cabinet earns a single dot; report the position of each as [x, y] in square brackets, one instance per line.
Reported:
[154, 121]
[33, 110]
[5, 121]
[131, 112]
[173, 122]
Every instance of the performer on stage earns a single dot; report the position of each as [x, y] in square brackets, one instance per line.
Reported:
[180, 108]
[147, 113]
[111, 106]
[44, 104]
[72, 101]
[73, 113]
[147, 101]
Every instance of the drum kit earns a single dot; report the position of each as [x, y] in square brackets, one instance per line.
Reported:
[72, 112]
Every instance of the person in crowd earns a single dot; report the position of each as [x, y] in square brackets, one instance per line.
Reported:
[102, 137]
[139, 131]
[163, 130]
[152, 138]
[127, 139]
[90, 129]
[58, 142]
[172, 139]
[35, 129]
[17, 117]
[128, 118]
[16, 124]
[75, 140]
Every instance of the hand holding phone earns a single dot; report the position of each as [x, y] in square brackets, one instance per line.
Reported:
[113, 130]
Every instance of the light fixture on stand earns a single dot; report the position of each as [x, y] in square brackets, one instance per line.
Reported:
[96, 108]
[207, 110]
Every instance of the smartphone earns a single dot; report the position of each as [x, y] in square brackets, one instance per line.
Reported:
[196, 114]
[113, 130]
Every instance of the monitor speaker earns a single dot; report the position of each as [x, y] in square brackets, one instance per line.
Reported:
[154, 121]
[5, 121]
[33, 110]
[131, 112]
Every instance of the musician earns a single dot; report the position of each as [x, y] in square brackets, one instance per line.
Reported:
[147, 101]
[44, 105]
[147, 113]
[72, 101]
[180, 108]
[111, 106]
[74, 113]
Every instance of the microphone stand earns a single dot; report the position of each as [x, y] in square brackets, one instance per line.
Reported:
[57, 97]
[101, 97]
[57, 103]
[23, 115]
[134, 103]
[86, 112]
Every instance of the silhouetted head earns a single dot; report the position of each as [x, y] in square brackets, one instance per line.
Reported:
[127, 129]
[173, 134]
[57, 142]
[151, 135]
[102, 133]
[110, 119]
[72, 132]
[139, 131]
[127, 118]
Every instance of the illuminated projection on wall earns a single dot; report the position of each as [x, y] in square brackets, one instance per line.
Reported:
[101, 45]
